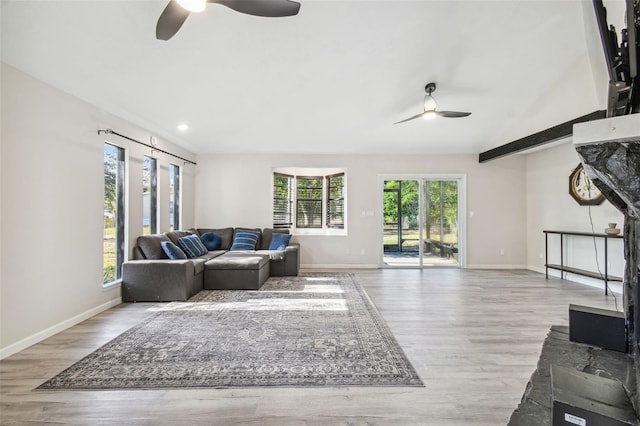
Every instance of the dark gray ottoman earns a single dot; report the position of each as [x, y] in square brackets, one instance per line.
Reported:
[236, 271]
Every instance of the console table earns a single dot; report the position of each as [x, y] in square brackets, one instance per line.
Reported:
[564, 268]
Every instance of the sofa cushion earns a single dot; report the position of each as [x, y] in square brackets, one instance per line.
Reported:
[174, 236]
[198, 264]
[149, 246]
[258, 231]
[225, 234]
[243, 261]
[211, 241]
[279, 241]
[267, 235]
[273, 254]
[244, 240]
[212, 254]
[192, 246]
[172, 251]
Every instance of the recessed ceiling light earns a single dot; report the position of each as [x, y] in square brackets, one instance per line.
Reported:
[183, 127]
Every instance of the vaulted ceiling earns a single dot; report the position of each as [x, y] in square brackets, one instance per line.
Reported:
[332, 79]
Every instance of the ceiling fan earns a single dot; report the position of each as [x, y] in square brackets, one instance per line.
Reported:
[177, 11]
[430, 108]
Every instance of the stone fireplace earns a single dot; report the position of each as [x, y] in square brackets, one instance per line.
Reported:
[599, 386]
[610, 152]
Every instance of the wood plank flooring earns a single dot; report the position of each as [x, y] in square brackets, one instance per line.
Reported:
[474, 337]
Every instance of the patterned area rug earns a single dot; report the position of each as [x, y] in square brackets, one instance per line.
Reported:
[311, 330]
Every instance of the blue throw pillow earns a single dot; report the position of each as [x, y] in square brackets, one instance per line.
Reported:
[192, 246]
[211, 241]
[245, 240]
[279, 241]
[172, 251]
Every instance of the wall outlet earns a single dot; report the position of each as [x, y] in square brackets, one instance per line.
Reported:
[362, 251]
[501, 252]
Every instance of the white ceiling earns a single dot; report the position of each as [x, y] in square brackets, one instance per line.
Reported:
[332, 79]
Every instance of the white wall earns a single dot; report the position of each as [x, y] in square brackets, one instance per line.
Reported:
[234, 190]
[550, 207]
[52, 207]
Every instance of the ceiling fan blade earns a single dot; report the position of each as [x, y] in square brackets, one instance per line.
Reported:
[171, 20]
[452, 114]
[410, 118]
[267, 8]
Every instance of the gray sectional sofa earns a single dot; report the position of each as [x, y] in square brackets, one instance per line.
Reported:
[152, 277]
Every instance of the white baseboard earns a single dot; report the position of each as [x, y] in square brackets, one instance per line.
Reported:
[537, 269]
[341, 266]
[495, 267]
[615, 287]
[55, 329]
[376, 266]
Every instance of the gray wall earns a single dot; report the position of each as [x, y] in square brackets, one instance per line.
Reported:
[52, 207]
[495, 195]
[549, 206]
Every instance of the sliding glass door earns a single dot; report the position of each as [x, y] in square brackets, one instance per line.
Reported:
[402, 221]
[422, 221]
[440, 222]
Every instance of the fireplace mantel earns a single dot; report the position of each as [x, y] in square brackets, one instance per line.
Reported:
[610, 152]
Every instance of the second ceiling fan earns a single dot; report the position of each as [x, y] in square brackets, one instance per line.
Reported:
[177, 11]
[430, 108]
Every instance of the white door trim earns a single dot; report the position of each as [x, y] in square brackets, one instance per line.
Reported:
[420, 177]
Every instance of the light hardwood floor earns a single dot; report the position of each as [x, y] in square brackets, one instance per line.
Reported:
[474, 338]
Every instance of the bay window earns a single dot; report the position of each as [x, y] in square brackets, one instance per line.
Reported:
[309, 201]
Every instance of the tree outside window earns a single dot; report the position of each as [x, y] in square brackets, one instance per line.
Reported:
[149, 196]
[174, 197]
[113, 218]
[311, 202]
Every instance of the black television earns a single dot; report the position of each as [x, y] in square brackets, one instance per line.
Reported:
[622, 58]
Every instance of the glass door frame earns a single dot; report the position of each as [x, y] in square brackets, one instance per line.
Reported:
[461, 178]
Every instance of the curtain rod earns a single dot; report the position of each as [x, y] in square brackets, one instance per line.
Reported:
[109, 131]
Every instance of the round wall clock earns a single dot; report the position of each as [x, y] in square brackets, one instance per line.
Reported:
[582, 189]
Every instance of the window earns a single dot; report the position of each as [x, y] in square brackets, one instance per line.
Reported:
[335, 201]
[174, 197]
[282, 201]
[309, 201]
[114, 213]
[149, 196]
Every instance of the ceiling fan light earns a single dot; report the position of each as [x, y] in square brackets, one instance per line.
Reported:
[193, 5]
[429, 103]
[429, 115]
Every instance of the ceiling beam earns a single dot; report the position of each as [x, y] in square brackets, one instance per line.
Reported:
[537, 139]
